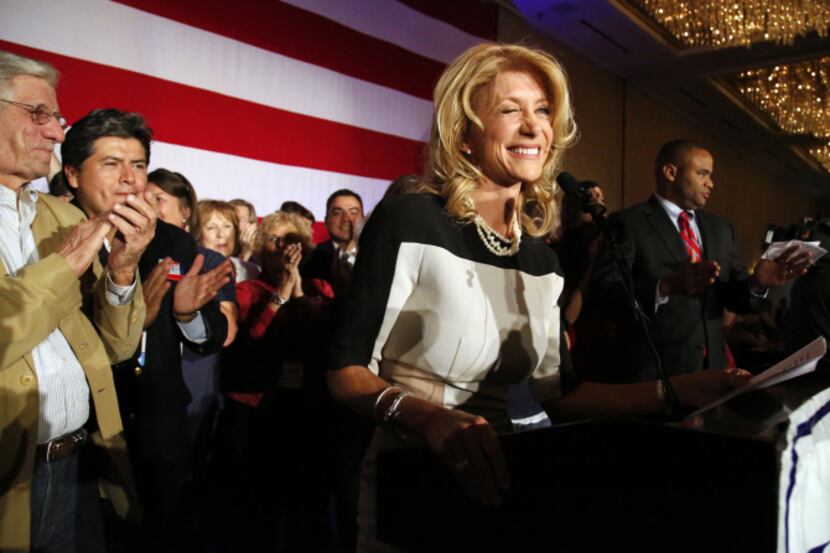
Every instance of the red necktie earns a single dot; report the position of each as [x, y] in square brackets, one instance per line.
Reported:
[689, 238]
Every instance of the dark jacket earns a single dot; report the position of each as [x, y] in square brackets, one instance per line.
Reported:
[688, 325]
[154, 398]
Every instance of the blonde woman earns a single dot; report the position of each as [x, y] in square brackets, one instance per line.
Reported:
[274, 379]
[454, 294]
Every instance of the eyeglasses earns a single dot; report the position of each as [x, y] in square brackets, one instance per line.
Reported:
[286, 240]
[40, 114]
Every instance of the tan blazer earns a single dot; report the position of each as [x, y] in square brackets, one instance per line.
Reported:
[42, 297]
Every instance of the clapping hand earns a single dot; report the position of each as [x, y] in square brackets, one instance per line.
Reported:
[246, 242]
[194, 290]
[292, 282]
[83, 243]
[136, 225]
[690, 278]
[155, 286]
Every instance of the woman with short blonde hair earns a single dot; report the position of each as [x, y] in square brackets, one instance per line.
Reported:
[283, 218]
[273, 379]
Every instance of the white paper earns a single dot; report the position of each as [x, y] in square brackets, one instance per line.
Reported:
[801, 362]
[777, 248]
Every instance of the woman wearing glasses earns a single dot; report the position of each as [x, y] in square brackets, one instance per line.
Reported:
[276, 415]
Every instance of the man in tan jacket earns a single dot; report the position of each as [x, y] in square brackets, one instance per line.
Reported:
[63, 320]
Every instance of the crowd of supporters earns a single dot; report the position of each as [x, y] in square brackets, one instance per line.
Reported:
[233, 438]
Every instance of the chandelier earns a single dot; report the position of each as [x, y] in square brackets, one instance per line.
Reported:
[727, 23]
[822, 155]
[795, 98]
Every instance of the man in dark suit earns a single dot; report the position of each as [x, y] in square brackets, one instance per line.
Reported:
[685, 271]
[333, 260]
[105, 159]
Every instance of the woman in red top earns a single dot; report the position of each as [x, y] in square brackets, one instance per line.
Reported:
[277, 412]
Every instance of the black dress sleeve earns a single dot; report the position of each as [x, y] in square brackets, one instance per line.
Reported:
[366, 307]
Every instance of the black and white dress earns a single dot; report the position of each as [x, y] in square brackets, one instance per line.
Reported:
[433, 311]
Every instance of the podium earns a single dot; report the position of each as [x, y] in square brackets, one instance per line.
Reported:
[600, 485]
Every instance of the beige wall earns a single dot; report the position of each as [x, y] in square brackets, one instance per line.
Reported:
[621, 130]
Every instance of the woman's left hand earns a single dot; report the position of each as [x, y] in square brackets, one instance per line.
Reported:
[703, 387]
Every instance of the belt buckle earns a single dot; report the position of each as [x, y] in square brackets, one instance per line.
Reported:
[77, 437]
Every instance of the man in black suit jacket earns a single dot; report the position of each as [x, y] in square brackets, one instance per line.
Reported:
[333, 260]
[682, 290]
[105, 158]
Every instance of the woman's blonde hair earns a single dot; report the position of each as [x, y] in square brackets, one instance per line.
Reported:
[278, 218]
[206, 208]
[452, 174]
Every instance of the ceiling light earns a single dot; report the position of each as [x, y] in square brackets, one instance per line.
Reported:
[727, 23]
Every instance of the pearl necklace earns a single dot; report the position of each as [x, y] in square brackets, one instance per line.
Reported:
[497, 243]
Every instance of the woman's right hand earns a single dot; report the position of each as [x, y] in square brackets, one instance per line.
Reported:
[469, 446]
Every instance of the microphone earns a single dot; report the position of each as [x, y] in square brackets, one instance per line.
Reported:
[571, 186]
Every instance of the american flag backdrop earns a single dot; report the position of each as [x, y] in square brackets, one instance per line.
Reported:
[265, 100]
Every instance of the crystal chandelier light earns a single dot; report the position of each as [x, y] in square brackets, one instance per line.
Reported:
[795, 98]
[822, 155]
[726, 23]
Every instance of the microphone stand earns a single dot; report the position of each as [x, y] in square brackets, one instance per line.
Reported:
[597, 212]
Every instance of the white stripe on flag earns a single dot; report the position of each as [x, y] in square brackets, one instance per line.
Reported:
[266, 185]
[116, 35]
[396, 23]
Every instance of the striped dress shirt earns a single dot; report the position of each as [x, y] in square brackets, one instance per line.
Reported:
[62, 386]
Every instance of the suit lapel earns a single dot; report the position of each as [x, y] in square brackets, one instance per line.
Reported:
[707, 233]
[665, 229]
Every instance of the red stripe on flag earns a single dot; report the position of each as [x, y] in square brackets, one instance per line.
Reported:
[197, 118]
[472, 16]
[290, 31]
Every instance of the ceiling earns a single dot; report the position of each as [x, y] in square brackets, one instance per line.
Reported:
[690, 81]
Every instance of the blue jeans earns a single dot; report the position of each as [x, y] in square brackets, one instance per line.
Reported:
[66, 516]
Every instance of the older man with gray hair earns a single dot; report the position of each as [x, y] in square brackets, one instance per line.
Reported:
[65, 319]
